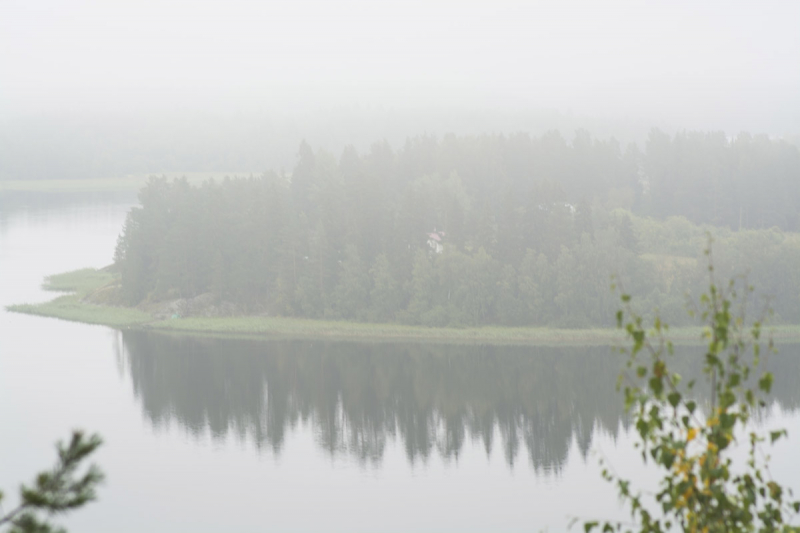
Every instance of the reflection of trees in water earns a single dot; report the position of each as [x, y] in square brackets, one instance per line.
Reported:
[356, 396]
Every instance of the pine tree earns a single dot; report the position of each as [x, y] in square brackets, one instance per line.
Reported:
[57, 491]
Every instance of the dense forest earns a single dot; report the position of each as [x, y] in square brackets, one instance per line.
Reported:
[492, 229]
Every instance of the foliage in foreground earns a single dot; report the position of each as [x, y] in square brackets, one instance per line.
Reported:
[701, 489]
[56, 491]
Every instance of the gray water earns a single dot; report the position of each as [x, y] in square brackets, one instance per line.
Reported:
[209, 434]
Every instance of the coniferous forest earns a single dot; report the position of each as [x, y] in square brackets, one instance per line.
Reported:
[493, 229]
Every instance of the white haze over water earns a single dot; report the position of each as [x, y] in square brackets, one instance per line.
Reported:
[698, 65]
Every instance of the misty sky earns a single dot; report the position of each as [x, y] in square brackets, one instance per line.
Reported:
[719, 65]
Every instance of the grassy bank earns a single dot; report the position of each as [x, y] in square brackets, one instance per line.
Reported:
[71, 307]
[80, 284]
[85, 282]
[304, 328]
[74, 308]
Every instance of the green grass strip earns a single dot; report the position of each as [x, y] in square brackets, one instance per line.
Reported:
[83, 282]
[70, 307]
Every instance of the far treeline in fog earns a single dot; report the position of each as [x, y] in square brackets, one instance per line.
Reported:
[493, 229]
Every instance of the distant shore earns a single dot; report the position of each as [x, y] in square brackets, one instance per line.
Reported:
[130, 184]
[81, 284]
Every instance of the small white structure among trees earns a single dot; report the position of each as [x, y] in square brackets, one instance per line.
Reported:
[435, 241]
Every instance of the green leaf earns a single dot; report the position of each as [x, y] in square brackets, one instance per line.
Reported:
[765, 383]
[727, 421]
[674, 398]
[667, 459]
[656, 385]
[726, 399]
[638, 339]
[775, 435]
[588, 526]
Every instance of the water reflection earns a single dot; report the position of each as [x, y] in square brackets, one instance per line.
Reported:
[533, 402]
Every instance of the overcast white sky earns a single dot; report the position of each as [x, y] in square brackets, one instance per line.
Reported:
[731, 65]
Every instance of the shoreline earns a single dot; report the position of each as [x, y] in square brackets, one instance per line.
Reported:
[80, 284]
[70, 307]
[125, 184]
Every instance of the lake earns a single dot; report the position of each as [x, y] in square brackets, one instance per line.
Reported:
[212, 434]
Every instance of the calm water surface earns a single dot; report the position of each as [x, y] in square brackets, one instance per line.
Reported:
[243, 435]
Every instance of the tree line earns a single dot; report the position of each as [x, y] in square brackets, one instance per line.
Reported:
[475, 230]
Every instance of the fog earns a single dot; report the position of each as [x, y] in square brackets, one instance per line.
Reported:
[352, 265]
[728, 66]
